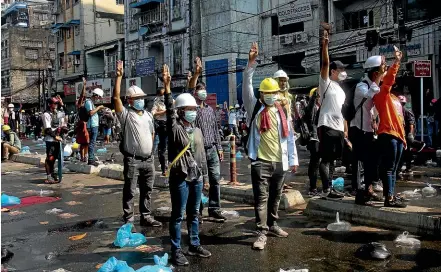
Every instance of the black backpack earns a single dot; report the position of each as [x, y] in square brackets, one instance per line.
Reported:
[348, 109]
[83, 113]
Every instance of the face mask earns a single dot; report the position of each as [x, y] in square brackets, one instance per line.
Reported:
[190, 116]
[138, 104]
[342, 76]
[202, 94]
[269, 99]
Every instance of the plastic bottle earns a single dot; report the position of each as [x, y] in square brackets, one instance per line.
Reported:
[339, 225]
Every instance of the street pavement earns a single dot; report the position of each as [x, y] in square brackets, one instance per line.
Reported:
[40, 241]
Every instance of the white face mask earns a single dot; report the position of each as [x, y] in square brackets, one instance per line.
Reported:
[269, 99]
[342, 76]
[202, 95]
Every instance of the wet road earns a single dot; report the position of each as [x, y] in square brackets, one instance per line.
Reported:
[40, 240]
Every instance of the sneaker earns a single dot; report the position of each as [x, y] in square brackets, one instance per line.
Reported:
[178, 258]
[377, 188]
[260, 243]
[217, 216]
[313, 193]
[335, 194]
[325, 192]
[278, 231]
[150, 222]
[198, 251]
[395, 203]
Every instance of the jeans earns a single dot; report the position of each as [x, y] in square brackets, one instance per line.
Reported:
[313, 166]
[161, 131]
[331, 148]
[390, 149]
[185, 197]
[267, 180]
[142, 173]
[233, 130]
[93, 133]
[213, 166]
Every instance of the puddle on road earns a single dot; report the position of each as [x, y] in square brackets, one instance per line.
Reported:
[95, 223]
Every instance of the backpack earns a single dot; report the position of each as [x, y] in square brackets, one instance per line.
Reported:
[348, 109]
[83, 113]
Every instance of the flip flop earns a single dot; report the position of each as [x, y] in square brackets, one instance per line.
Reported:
[51, 181]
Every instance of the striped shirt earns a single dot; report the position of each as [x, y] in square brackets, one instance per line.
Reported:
[206, 122]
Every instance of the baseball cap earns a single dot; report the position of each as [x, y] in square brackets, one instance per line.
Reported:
[337, 65]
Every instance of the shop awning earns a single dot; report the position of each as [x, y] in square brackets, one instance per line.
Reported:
[74, 53]
[14, 7]
[73, 22]
[56, 27]
[101, 48]
[144, 2]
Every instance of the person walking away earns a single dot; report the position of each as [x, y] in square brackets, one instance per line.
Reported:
[81, 132]
[391, 138]
[11, 120]
[186, 146]
[159, 113]
[361, 131]
[332, 128]
[136, 146]
[38, 125]
[409, 130]
[232, 121]
[212, 143]
[11, 143]
[52, 138]
[271, 148]
[28, 125]
[107, 124]
[93, 123]
[22, 123]
[116, 127]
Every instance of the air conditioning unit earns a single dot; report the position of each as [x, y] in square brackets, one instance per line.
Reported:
[301, 37]
[286, 39]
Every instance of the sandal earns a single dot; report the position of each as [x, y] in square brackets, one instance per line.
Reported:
[51, 180]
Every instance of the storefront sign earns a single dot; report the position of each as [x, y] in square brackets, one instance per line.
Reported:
[68, 88]
[294, 13]
[422, 68]
[104, 84]
[411, 49]
[145, 67]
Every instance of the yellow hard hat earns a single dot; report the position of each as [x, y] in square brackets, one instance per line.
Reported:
[231, 107]
[22, 110]
[311, 93]
[113, 110]
[75, 145]
[6, 128]
[269, 85]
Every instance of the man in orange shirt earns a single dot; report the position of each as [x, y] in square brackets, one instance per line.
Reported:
[391, 139]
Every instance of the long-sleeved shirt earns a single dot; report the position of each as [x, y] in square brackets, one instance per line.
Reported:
[362, 90]
[288, 148]
[205, 122]
[13, 139]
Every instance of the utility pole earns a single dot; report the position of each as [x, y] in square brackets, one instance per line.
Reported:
[44, 90]
[39, 90]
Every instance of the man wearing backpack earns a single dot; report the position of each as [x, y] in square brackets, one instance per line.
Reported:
[93, 122]
[361, 132]
[108, 122]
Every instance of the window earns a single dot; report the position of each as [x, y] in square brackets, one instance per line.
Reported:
[60, 36]
[358, 19]
[61, 61]
[5, 49]
[31, 53]
[111, 62]
[76, 60]
[5, 79]
[68, 33]
[52, 54]
[177, 58]
[119, 27]
[67, 4]
[177, 10]
[421, 9]
[77, 30]
[120, 2]
[286, 29]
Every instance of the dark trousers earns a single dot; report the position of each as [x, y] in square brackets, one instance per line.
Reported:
[161, 131]
[331, 148]
[142, 173]
[93, 133]
[390, 149]
[314, 162]
[267, 180]
[185, 197]
[213, 166]
[365, 158]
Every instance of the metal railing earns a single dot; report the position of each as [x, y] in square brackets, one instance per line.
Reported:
[154, 16]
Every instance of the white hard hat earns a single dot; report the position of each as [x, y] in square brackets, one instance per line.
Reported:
[372, 62]
[185, 100]
[280, 73]
[71, 112]
[237, 106]
[98, 91]
[135, 91]
[10, 105]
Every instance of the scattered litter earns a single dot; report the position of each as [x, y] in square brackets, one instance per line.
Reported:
[30, 192]
[102, 150]
[428, 191]
[374, 250]
[339, 184]
[160, 265]
[60, 270]
[339, 225]
[44, 222]
[13, 213]
[67, 215]
[8, 200]
[51, 255]
[149, 249]
[125, 237]
[67, 152]
[115, 265]
[25, 150]
[46, 192]
[6, 255]
[54, 211]
[41, 145]
[239, 155]
[403, 240]
[230, 214]
[340, 170]
[204, 199]
[411, 195]
[294, 270]
[78, 237]
[5, 210]
[33, 200]
[98, 266]
[73, 203]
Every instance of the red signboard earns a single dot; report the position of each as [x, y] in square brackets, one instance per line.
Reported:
[69, 89]
[422, 68]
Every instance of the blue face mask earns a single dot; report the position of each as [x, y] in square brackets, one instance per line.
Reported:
[138, 104]
[190, 116]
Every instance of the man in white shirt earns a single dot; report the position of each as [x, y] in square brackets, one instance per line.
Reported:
[332, 128]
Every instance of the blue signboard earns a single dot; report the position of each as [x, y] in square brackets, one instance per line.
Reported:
[216, 72]
[145, 67]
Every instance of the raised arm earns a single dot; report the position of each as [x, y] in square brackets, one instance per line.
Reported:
[197, 73]
[249, 100]
[117, 91]
[389, 78]
[171, 117]
[324, 71]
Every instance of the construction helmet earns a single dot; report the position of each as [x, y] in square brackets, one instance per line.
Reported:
[313, 90]
[231, 108]
[269, 85]
[185, 100]
[6, 128]
[22, 110]
[97, 91]
[280, 73]
[373, 62]
[237, 106]
[10, 105]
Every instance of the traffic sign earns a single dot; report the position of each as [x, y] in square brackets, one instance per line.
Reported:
[422, 68]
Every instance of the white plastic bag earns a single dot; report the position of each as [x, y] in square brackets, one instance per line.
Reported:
[403, 240]
[409, 194]
[339, 225]
[429, 191]
[67, 152]
[230, 214]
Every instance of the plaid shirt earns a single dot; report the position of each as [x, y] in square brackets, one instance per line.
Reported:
[206, 121]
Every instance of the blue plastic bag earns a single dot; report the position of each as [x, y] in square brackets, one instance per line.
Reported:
[125, 237]
[339, 184]
[10, 200]
[239, 155]
[102, 150]
[160, 265]
[204, 199]
[115, 265]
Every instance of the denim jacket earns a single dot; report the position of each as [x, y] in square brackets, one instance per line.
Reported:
[289, 150]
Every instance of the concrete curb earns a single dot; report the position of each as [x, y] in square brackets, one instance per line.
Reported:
[29, 159]
[413, 219]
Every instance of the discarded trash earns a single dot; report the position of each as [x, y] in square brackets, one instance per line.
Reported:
[230, 214]
[160, 265]
[26, 152]
[204, 199]
[101, 150]
[374, 250]
[51, 255]
[44, 222]
[54, 211]
[78, 237]
[239, 155]
[46, 192]
[8, 200]
[149, 249]
[67, 152]
[115, 265]
[60, 270]
[13, 213]
[67, 215]
[6, 255]
[340, 170]
[411, 195]
[294, 270]
[339, 225]
[5, 210]
[339, 184]
[403, 240]
[125, 237]
[41, 145]
[73, 203]
[428, 191]
[75, 146]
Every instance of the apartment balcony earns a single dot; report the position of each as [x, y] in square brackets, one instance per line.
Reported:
[143, 3]
[153, 16]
